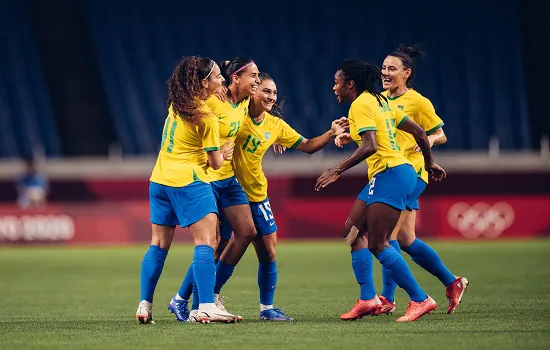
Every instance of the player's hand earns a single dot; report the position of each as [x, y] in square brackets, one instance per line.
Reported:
[339, 126]
[328, 177]
[436, 172]
[342, 139]
[221, 93]
[278, 149]
[227, 149]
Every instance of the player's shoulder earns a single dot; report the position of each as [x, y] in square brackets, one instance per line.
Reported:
[215, 104]
[418, 98]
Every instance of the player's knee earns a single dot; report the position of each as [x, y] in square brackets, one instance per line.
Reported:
[405, 238]
[248, 234]
[376, 246]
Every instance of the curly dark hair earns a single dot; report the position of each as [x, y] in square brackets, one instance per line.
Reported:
[408, 55]
[365, 75]
[184, 87]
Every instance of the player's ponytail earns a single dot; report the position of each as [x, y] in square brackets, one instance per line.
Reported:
[184, 87]
[234, 67]
[365, 75]
[409, 54]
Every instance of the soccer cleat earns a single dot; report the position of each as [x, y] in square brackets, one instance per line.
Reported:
[416, 310]
[387, 307]
[179, 308]
[220, 304]
[455, 291]
[215, 315]
[362, 308]
[274, 315]
[144, 314]
[193, 316]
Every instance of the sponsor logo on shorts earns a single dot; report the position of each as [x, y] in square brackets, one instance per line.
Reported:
[481, 219]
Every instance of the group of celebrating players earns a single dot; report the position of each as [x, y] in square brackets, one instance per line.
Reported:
[208, 177]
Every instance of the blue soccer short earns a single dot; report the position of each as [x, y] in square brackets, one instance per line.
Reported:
[412, 201]
[228, 192]
[393, 186]
[186, 205]
[262, 217]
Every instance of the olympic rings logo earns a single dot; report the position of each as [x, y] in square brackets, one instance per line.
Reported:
[481, 219]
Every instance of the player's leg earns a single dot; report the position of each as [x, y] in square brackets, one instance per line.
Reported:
[361, 261]
[164, 220]
[265, 245]
[425, 256]
[196, 208]
[388, 285]
[385, 203]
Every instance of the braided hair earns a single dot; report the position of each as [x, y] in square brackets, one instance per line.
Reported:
[184, 87]
[365, 75]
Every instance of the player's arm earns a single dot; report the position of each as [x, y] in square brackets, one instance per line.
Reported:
[368, 148]
[210, 132]
[429, 120]
[313, 145]
[421, 139]
[216, 158]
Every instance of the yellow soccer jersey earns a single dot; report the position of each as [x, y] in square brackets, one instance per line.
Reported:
[422, 112]
[366, 114]
[251, 144]
[182, 157]
[231, 118]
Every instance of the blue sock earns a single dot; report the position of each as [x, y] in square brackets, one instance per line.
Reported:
[204, 272]
[186, 287]
[267, 281]
[151, 268]
[429, 260]
[399, 271]
[361, 261]
[196, 300]
[223, 272]
[388, 285]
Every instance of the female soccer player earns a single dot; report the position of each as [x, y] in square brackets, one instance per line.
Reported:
[241, 78]
[260, 131]
[392, 182]
[179, 191]
[397, 74]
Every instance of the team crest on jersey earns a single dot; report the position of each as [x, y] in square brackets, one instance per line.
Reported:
[267, 135]
[400, 107]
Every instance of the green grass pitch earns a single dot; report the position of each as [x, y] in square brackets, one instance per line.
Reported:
[72, 298]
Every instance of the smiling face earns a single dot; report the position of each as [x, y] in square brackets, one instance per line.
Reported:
[343, 89]
[214, 80]
[394, 74]
[248, 80]
[266, 95]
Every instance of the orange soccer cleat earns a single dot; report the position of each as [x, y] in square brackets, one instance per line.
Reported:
[416, 310]
[455, 291]
[387, 307]
[362, 308]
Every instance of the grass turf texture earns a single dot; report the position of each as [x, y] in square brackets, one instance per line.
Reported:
[86, 298]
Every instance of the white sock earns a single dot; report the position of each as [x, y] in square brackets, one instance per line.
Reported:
[147, 304]
[178, 297]
[265, 307]
[207, 307]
